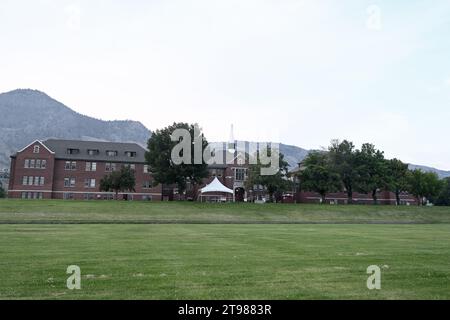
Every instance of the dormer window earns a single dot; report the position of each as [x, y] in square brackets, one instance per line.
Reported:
[73, 151]
[111, 153]
[36, 149]
[130, 154]
[93, 152]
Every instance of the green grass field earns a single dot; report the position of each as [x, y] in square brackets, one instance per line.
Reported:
[247, 254]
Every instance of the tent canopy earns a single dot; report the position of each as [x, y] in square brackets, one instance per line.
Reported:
[216, 186]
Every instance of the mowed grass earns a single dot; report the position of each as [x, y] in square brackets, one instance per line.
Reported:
[54, 211]
[225, 261]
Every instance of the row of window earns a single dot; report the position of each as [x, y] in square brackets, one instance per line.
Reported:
[31, 195]
[96, 152]
[92, 166]
[91, 183]
[33, 181]
[35, 164]
[90, 196]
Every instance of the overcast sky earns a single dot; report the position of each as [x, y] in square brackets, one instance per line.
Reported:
[297, 71]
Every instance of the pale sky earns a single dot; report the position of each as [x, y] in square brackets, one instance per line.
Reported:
[297, 71]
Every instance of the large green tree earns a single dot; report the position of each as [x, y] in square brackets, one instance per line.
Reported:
[2, 191]
[444, 196]
[371, 169]
[123, 180]
[274, 183]
[397, 177]
[162, 165]
[317, 174]
[424, 185]
[343, 159]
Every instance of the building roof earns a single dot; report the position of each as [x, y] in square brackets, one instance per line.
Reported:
[61, 149]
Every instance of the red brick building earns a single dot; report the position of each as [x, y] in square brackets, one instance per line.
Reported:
[65, 169]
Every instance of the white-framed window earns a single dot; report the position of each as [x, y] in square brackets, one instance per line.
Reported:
[27, 163]
[41, 181]
[68, 196]
[30, 181]
[91, 166]
[146, 168]
[32, 163]
[36, 149]
[69, 182]
[93, 152]
[25, 180]
[111, 153]
[70, 165]
[110, 167]
[89, 183]
[36, 181]
[130, 154]
[146, 185]
[44, 164]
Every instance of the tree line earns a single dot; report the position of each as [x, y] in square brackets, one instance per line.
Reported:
[343, 167]
[340, 168]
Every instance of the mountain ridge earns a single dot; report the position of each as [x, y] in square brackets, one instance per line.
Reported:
[28, 115]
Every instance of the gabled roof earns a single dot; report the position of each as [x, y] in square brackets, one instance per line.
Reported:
[60, 148]
[36, 142]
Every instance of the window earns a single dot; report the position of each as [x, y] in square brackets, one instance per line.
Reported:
[73, 151]
[147, 197]
[239, 174]
[110, 167]
[146, 168]
[42, 181]
[111, 153]
[130, 154]
[132, 166]
[27, 163]
[88, 196]
[30, 181]
[44, 164]
[93, 152]
[70, 165]
[24, 195]
[25, 180]
[91, 166]
[32, 163]
[69, 182]
[89, 183]
[68, 196]
[36, 181]
[36, 149]
[146, 185]
[38, 164]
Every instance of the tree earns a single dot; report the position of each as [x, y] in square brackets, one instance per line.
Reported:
[343, 159]
[2, 191]
[396, 174]
[276, 183]
[424, 185]
[119, 181]
[371, 169]
[444, 196]
[162, 166]
[318, 174]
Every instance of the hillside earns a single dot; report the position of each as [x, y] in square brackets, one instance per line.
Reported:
[27, 115]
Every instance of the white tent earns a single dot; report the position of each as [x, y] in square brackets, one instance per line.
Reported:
[216, 186]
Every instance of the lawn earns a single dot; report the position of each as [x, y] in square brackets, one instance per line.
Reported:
[54, 211]
[137, 250]
[225, 261]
